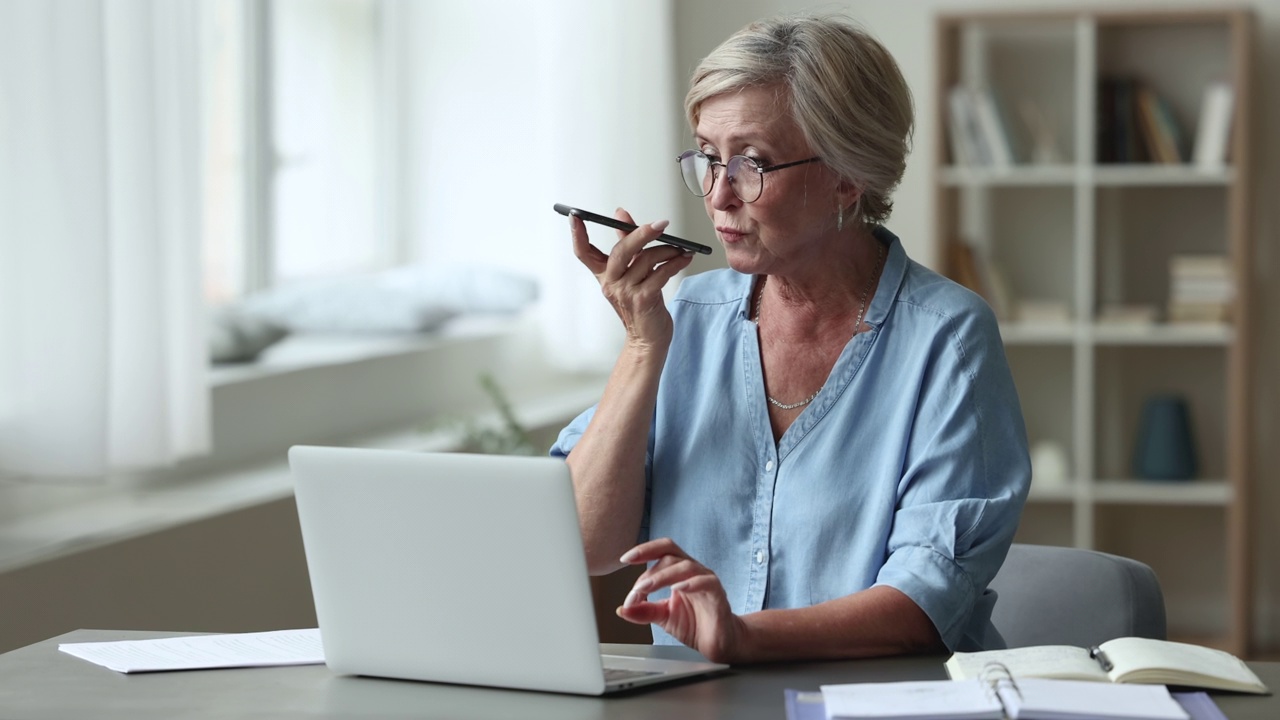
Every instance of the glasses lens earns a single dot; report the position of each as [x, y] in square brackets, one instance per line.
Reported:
[695, 168]
[745, 177]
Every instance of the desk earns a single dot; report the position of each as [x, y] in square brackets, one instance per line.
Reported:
[38, 682]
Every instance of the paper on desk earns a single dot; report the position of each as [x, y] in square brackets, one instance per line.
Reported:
[201, 652]
[967, 700]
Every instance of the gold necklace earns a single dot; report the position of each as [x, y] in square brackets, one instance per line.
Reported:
[857, 326]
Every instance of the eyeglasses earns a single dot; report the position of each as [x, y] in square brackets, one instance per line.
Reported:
[746, 176]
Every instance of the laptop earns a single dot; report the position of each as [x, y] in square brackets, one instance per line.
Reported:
[456, 568]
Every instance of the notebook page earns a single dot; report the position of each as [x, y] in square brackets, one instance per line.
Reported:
[1135, 659]
[1066, 699]
[1057, 661]
[916, 699]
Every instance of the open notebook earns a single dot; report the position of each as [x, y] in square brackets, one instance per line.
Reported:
[996, 696]
[1123, 660]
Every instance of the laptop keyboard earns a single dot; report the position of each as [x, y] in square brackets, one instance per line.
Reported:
[616, 674]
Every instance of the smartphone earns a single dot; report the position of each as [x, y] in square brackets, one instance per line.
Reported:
[628, 227]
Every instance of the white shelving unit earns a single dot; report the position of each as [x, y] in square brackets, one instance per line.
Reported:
[1083, 234]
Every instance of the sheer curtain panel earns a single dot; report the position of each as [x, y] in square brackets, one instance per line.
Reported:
[102, 345]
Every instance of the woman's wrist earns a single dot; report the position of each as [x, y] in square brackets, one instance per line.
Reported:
[643, 352]
[742, 646]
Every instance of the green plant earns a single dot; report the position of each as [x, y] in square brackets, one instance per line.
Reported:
[507, 437]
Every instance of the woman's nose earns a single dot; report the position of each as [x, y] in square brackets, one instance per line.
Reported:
[722, 196]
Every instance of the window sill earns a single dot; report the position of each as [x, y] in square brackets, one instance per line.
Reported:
[50, 521]
[303, 352]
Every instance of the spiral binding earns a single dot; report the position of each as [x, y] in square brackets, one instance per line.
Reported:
[994, 677]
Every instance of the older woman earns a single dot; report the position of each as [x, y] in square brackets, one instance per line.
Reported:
[819, 449]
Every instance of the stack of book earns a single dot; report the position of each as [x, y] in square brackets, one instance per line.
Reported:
[1201, 288]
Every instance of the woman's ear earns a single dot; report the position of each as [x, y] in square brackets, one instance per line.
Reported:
[847, 195]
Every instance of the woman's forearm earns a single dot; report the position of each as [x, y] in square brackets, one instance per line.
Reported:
[878, 621]
[608, 462]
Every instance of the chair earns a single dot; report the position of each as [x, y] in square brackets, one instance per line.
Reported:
[1066, 596]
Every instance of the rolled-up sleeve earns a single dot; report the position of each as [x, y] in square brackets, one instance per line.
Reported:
[964, 483]
[571, 434]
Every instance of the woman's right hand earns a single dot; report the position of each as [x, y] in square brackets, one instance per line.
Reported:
[632, 277]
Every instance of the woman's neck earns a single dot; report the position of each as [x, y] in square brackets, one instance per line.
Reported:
[827, 289]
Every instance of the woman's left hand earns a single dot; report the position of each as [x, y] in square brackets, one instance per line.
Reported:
[697, 613]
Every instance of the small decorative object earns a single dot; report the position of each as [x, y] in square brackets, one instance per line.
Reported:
[1165, 450]
[1049, 469]
[1044, 137]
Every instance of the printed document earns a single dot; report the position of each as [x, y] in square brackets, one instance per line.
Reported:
[202, 652]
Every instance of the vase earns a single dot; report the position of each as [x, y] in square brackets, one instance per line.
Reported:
[1165, 450]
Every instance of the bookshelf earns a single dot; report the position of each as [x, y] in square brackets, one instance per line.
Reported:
[1072, 232]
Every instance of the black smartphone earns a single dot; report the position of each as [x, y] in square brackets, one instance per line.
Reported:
[628, 227]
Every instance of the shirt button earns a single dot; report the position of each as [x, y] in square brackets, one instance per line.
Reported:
[759, 556]
[768, 467]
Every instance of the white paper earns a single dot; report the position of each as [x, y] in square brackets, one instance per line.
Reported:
[1064, 699]
[970, 700]
[200, 652]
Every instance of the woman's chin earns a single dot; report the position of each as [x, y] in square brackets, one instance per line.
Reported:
[741, 263]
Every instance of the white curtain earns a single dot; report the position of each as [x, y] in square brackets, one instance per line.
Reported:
[102, 343]
[516, 106]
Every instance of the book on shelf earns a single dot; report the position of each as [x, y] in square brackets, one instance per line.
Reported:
[1136, 124]
[977, 130]
[1201, 266]
[1201, 288]
[994, 129]
[1123, 660]
[1161, 134]
[975, 270]
[1190, 312]
[1128, 315]
[962, 132]
[1213, 133]
[1119, 140]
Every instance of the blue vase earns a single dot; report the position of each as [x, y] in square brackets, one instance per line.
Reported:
[1165, 450]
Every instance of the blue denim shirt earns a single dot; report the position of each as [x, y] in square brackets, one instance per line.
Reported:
[909, 469]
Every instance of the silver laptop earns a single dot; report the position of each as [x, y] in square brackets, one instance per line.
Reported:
[456, 568]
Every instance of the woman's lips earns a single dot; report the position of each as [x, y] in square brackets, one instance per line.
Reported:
[730, 235]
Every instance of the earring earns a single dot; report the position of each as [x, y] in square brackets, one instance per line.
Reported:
[839, 219]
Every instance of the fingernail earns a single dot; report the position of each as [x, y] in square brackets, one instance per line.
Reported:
[630, 599]
[643, 585]
[680, 587]
[660, 225]
[628, 556]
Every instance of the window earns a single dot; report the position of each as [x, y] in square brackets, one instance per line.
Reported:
[297, 181]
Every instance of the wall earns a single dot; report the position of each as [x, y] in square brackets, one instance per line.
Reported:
[239, 572]
[906, 29]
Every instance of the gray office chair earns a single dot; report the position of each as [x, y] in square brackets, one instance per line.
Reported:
[1065, 596]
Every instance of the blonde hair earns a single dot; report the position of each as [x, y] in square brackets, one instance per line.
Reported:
[845, 91]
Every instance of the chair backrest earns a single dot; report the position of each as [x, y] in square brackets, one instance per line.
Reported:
[1066, 596]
